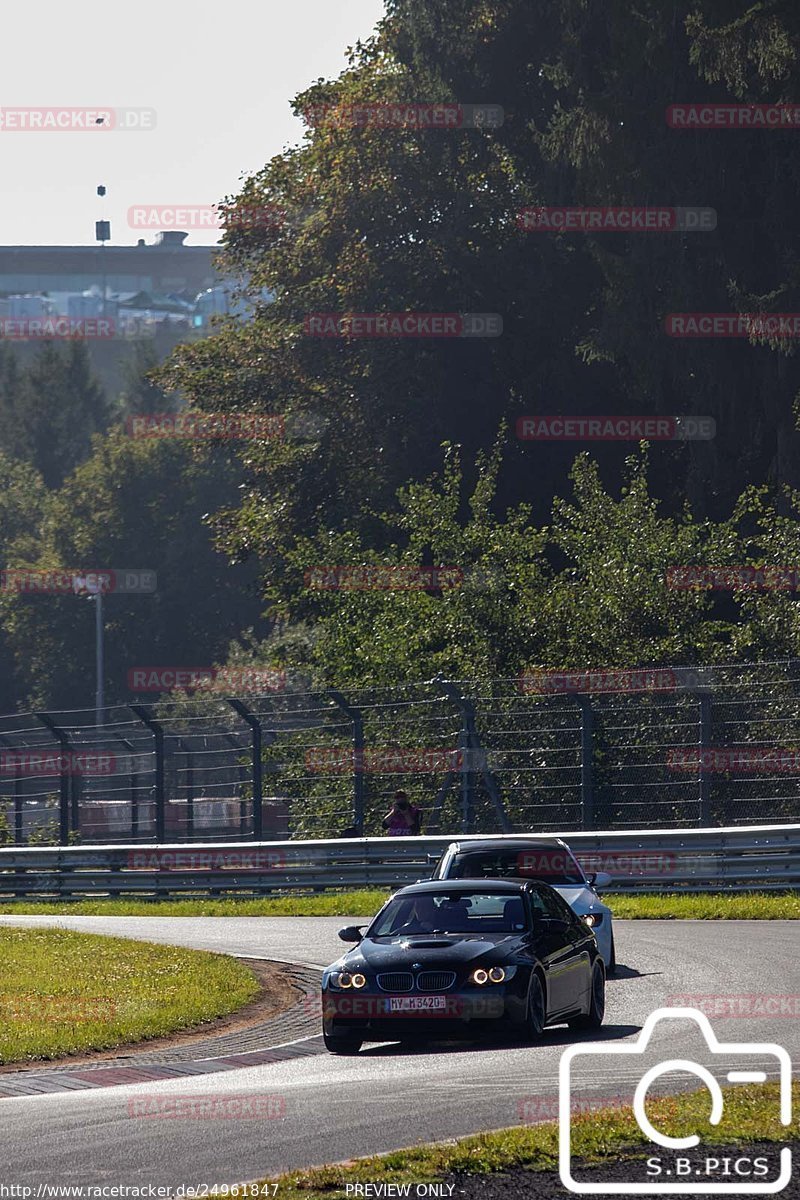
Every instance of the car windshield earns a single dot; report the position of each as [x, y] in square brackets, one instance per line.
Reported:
[458, 912]
[553, 864]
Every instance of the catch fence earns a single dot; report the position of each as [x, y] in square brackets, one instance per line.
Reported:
[672, 748]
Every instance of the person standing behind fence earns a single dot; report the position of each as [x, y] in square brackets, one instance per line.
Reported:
[403, 818]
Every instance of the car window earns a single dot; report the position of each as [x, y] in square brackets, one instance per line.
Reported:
[553, 906]
[552, 864]
[474, 912]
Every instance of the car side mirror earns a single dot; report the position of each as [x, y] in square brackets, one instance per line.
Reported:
[600, 879]
[351, 933]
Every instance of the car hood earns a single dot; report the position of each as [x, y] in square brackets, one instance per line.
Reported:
[429, 949]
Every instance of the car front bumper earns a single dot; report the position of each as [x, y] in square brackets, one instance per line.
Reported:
[376, 1014]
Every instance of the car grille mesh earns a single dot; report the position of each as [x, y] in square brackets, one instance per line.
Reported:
[396, 981]
[435, 981]
[426, 981]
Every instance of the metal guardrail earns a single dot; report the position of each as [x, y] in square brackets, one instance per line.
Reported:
[739, 858]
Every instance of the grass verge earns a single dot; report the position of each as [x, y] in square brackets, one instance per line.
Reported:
[716, 906]
[602, 1135]
[62, 993]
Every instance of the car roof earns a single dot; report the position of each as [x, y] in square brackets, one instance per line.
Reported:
[508, 844]
[512, 886]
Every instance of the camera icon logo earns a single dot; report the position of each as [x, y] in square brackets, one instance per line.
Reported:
[692, 1176]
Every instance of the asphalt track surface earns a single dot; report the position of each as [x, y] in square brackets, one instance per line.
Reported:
[387, 1097]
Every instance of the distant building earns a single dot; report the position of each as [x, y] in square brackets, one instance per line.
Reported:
[166, 266]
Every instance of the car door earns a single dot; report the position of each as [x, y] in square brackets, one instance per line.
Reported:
[577, 962]
[565, 950]
[553, 949]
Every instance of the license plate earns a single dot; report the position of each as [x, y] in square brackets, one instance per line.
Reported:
[416, 1003]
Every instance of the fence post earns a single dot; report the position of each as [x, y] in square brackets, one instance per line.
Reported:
[140, 710]
[252, 720]
[472, 752]
[18, 818]
[587, 761]
[705, 743]
[64, 789]
[189, 795]
[354, 715]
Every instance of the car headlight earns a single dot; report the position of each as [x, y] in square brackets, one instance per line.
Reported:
[346, 979]
[592, 919]
[481, 975]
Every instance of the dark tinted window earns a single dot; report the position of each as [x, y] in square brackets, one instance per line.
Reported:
[550, 904]
[475, 912]
[552, 864]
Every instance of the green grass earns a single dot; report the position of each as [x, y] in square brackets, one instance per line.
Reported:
[750, 1115]
[716, 906]
[64, 992]
[738, 906]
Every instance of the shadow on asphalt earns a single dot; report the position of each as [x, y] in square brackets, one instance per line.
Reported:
[629, 973]
[551, 1037]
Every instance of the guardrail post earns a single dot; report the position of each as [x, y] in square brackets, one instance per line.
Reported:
[141, 712]
[252, 720]
[64, 789]
[354, 715]
[705, 743]
[587, 761]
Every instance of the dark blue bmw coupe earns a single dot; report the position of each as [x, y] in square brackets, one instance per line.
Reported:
[464, 956]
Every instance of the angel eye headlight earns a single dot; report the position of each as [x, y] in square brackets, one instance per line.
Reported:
[345, 979]
[358, 981]
[592, 919]
[480, 977]
[497, 974]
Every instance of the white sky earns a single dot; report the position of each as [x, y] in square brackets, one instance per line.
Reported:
[220, 77]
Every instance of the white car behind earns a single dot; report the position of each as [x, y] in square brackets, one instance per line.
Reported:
[547, 858]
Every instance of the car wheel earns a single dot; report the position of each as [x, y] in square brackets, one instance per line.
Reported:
[594, 1018]
[611, 965]
[348, 1043]
[536, 1008]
